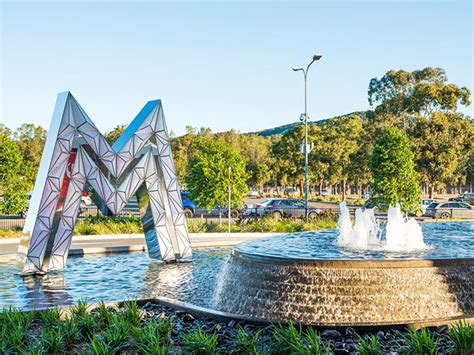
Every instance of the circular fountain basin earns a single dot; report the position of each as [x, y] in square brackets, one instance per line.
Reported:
[304, 278]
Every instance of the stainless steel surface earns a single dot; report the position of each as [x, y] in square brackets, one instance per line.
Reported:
[50, 222]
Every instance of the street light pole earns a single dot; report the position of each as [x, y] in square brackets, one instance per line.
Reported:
[305, 150]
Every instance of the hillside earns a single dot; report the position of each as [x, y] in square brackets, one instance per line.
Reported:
[282, 129]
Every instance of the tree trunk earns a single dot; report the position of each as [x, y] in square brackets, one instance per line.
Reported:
[343, 183]
[301, 187]
[321, 181]
[430, 190]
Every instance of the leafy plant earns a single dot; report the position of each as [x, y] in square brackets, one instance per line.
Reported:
[36, 349]
[51, 316]
[80, 309]
[13, 338]
[13, 316]
[314, 344]
[419, 342]
[103, 315]
[247, 343]
[154, 337]
[52, 340]
[199, 343]
[132, 313]
[86, 325]
[71, 333]
[368, 346]
[117, 335]
[462, 335]
[98, 346]
[288, 339]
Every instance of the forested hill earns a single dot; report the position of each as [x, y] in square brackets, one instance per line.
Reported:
[282, 129]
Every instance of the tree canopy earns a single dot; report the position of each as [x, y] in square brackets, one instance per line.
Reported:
[393, 169]
[207, 179]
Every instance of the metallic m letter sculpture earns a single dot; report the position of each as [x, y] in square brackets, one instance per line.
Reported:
[140, 161]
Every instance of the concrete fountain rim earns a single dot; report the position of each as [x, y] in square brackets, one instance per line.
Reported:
[354, 263]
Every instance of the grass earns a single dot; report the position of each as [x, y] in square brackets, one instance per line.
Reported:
[462, 335]
[199, 343]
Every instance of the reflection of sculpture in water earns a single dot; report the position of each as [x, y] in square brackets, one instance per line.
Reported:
[168, 279]
[46, 291]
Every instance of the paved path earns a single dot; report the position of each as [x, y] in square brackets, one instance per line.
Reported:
[136, 242]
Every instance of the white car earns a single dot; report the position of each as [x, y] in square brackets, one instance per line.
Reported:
[86, 201]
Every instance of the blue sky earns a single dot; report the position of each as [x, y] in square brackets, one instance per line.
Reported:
[221, 65]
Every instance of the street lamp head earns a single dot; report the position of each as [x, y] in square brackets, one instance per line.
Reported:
[317, 57]
[296, 69]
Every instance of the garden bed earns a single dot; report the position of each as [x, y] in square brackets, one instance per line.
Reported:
[149, 327]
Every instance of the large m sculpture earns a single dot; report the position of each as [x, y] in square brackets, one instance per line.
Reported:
[76, 156]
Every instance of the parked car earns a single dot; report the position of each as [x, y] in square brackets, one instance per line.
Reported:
[372, 203]
[450, 209]
[325, 193]
[289, 208]
[254, 194]
[86, 201]
[424, 203]
[468, 198]
[191, 209]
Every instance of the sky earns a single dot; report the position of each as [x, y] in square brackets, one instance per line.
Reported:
[223, 65]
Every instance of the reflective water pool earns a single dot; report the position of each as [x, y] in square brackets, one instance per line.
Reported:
[130, 276]
[444, 240]
[114, 277]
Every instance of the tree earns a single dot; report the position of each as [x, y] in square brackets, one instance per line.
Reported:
[207, 179]
[418, 92]
[112, 136]
[442, 145]
[341, 137]
[31, 140]
[393, 169]
[14, 184]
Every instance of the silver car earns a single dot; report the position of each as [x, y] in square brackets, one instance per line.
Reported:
[450, 209]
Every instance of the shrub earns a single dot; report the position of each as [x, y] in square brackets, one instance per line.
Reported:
[199, 343]
[462, 335]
